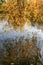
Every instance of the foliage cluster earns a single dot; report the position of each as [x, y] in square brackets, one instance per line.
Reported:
[19, 11]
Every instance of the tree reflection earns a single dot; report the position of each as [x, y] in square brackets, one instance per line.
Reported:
[21, 52]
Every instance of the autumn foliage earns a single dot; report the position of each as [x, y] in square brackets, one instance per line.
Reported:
[21, 11]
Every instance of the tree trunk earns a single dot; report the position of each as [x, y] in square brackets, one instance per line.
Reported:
[21, 7]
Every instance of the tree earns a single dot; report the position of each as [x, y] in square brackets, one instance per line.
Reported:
[2, 1]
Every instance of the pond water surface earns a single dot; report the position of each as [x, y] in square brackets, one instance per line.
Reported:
[8, 32]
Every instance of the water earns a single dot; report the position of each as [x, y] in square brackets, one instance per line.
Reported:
[8, 32]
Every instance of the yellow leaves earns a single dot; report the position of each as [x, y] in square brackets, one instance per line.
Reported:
[17, 20]
[17, 13]
[42, 18]
[7, 17]
[0, 16]
[11, 10]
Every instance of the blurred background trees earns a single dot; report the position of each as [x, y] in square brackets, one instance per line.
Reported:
[21, 11]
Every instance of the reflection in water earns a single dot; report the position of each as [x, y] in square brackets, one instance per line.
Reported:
[7, 31]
